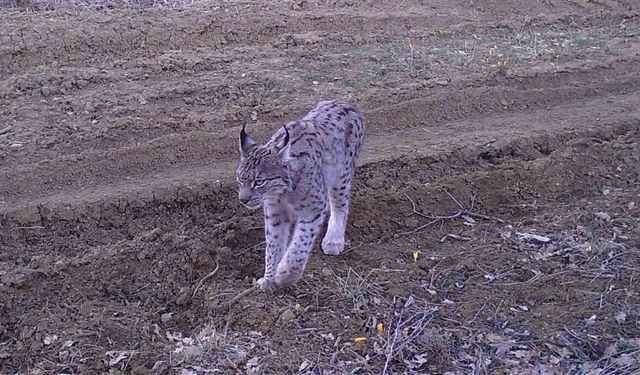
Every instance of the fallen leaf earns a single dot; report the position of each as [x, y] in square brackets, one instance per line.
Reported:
[533, 237]
[592, 319]
[117, 357]
[380, 328]
[305, 365]
[48, 340]
[621, 317]
[494, 338]
[360, 339]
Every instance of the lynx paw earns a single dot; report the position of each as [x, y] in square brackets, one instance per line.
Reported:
[332, 246]
[266, 285]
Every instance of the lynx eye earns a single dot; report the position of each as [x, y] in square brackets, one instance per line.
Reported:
[258, 183]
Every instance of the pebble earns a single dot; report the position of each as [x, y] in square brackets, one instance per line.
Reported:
[288, 315]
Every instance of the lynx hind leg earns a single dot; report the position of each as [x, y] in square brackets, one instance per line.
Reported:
[333, 242]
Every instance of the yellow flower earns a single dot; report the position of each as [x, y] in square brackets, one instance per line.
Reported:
[415, 255]
[380, 328]
[360, 339]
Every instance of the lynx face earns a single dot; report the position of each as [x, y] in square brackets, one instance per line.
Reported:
[262, 171]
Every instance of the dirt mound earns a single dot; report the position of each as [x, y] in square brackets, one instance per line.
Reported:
[495, 217]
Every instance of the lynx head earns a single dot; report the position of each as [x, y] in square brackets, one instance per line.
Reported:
[263, 170]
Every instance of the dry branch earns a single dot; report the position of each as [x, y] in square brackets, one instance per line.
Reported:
[440, 218]
[208, 276]
[227, 306]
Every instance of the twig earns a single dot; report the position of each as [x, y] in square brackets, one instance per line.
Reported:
[395, 337]
[6, 130]
[454, 237]
[227, 306]
[209, 275]
[455, 200]
[436, 219]
[477, 313]
[32, 227]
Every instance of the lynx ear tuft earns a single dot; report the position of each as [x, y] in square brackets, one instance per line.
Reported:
[247, 144]
[282, 146]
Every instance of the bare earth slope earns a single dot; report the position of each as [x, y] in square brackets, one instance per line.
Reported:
[489, 122]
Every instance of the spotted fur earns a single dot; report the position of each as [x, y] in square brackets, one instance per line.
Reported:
[299, 176]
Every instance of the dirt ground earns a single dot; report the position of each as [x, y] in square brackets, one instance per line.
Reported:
[495, 226]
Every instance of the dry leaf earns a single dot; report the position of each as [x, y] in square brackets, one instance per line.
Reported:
[494, 338]
[592, 319]
[621, 317]
[305, 365]
[116, 357]
[50, 339]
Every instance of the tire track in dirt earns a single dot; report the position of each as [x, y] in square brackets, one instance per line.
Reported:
[72, 192]
[195, 147]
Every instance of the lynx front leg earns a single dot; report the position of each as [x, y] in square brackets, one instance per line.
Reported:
[276, 229]
[295, 259]
[333, 241]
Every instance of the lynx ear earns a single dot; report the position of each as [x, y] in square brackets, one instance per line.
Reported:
[282, 146]
[246, 143]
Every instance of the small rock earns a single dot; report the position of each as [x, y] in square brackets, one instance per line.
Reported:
[603, 216]
[326, 271]
[151, 235]
[16, 145]
[184, 298]
[89, 107]
[288, 315]
[411, 222]
[375, 182]
[160, 367]
[192, 351]
[48, 340]
[441, 81]
[621, 317]
[46, 91]
[166, 317]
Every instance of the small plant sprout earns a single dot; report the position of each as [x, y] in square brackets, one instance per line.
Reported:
[415, 255]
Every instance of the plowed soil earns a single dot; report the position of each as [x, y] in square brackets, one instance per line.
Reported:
[495, 225]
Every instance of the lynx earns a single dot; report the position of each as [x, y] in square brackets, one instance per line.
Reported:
[299, 176]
